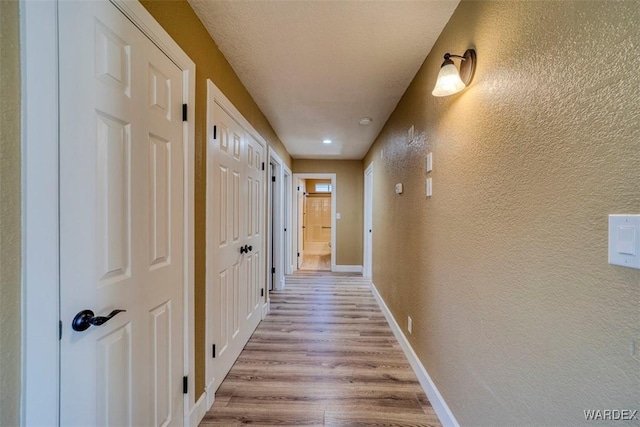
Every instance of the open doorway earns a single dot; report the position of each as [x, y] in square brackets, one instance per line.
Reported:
[278, 225]
[315, 227]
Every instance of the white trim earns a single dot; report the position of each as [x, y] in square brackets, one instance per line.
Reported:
[367, 249]
[334, 200]
[279, 235]
[266, 307]
[231, 109]
[40, 242]
[198, 411]
[210, 393]
[347, 269]
[435, 398]
[40, 223]
[288, 243]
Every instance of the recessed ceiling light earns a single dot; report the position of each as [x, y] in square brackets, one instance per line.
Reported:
[365, 121]
[326, 141]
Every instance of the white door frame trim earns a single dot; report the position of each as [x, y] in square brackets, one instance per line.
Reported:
[40, 203]
[334, 198]
[279, 235]
[288, 211]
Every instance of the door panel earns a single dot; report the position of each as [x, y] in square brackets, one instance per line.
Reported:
[160, 153]
[121, 221]
[235, 205]
[160, 319]
[115, 378]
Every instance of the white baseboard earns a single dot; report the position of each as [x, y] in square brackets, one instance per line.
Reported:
[439, 405]
[346, 268]
[198, 411]
[265, 308]
[209, 395]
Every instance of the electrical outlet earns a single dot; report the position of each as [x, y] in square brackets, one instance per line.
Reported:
[409, 324]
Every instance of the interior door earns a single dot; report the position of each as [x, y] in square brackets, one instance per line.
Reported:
[368, 222]
[235, 269]
[272, 228]
[301, 191]
[121, 223]
[255, 231]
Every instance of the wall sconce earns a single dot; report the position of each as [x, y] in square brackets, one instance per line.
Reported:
[449, 80]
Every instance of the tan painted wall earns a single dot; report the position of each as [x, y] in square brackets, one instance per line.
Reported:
[518, 318]
[349, 202]
[182, 24]
[10, 258]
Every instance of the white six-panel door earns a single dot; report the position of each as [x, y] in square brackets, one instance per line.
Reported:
[121, 222]
[235, 238]
[368, 222]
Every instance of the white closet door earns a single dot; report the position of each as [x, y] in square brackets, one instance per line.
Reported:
[235, 239]
[121, 222]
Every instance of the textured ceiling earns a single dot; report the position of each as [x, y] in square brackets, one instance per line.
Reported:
[316, 67]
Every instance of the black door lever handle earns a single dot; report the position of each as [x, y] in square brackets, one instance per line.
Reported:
[86, 319]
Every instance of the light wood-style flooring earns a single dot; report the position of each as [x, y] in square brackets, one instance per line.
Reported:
[324, 356]
[316, 262]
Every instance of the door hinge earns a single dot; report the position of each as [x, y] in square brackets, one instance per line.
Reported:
[285, 229]
[273, 270]
[59, 330]
[298, 253]
[262, 165]
[273, 178]
[185, 385]
[262, 292]
[215, 131]
[184, 112]
[213, 351]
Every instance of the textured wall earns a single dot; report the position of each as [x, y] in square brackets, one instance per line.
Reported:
[9, 214]
[518, 318]
[182, 24]
[349, 202]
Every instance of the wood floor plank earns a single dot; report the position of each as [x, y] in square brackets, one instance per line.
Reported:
[323, 356]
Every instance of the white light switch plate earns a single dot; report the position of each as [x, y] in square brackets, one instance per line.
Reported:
[338, 216]
[429, 187]
[624, 240]
[399, 188]
[429, 162]
[411, 134]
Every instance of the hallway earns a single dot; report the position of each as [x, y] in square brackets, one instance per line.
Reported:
[323, 356]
